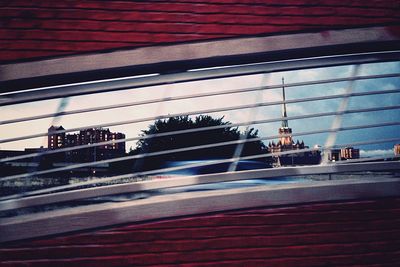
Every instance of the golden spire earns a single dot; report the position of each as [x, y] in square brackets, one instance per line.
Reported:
[285, 123]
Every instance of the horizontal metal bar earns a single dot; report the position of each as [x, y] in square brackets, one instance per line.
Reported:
[132, 83]
[205, 111]
[248, 123]
[212, 145]
[169, 169]
[218, 93]
[114, 178]
[194, 180]
[167, 206]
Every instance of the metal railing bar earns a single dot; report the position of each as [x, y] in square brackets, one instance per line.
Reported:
[131, 175]
[247, 123]
[88, 164]
[213, 162]
[60, 86]
[118, 177]
[63, 86]
[103, 180]
[369, 142]
[191, 180]
[193, 130]
[218, 93]
[178, 150]
[261, 104]
[35, 199]
[212, 145]
[376, 53]
[114, 85]
[250, 117]
[337, 120]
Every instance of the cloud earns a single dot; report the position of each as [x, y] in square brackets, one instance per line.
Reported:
[376, 153]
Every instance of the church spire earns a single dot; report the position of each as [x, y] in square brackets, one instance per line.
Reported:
[285, 123]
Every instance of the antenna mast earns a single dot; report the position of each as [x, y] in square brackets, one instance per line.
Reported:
[285, 123]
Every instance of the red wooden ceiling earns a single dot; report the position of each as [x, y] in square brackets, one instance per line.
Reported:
[35, 29]
[354, 233]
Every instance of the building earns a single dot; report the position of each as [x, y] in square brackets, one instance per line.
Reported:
[55, 139]
[334, 155]
[396, 149]
[86, 137]
[286, 144]
[345, 153]
[349, 153]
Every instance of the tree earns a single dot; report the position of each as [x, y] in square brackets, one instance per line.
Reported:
[196, 138]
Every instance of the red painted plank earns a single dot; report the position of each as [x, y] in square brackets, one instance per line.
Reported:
[364, 205]
[183, 4]
[16, 55]
[245, 231]
[186, 245]
[96, 15]
[242, 256]
[99, 36]
[100, 20]
[365, 260]
[348, 235]
[63, 45]
[219, 232]
[301, 217]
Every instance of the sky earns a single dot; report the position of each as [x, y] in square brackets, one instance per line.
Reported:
[236, 116]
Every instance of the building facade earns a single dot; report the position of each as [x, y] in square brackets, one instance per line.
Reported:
[349, 153]
[55, 139]
[396, 149]
[114, 148]
[345, 153]
[334, 155]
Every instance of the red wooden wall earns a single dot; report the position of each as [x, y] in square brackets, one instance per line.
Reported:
[361, 233]
[48, 28]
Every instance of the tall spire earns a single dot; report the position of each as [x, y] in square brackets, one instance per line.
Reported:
[285, 123]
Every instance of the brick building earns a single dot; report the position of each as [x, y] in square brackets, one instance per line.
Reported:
[350, 153]
[396, 149]
[55, 139]
[87, 137]
[334, 155]
[343, 154]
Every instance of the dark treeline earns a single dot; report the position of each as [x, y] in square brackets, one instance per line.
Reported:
[147, 146]
[196, 138]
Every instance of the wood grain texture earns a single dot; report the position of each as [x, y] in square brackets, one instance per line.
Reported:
[66, 27]
[344, 233]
